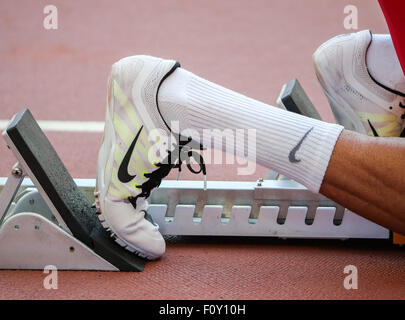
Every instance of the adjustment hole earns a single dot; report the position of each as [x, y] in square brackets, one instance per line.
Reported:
[169, 219]
[281, 220]
[252, 220]
[72, 249]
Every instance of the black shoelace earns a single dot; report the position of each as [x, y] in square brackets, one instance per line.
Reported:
[182, 153]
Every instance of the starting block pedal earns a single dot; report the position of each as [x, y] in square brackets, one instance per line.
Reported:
[293, 98]
[68, 235]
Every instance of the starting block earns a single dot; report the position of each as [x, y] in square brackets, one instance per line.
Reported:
[68, 234]
[47, 217]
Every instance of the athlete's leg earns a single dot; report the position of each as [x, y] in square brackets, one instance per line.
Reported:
[378, 162]
[295, 146]
[298, 147]
[367, 175]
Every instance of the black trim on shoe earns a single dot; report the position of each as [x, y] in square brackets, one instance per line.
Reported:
[164, 168]
[402, 134]
[176, 65]
[372, 78]
[177, 135]
[385, 87]
[373, 129]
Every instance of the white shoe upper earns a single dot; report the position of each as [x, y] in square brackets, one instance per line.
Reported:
[131, 116]
[358, 101]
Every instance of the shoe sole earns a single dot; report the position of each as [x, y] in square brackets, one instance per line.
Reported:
[100, 185]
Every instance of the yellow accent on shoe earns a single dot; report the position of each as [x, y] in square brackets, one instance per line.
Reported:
[129, 109]
[134, 118]
[126, 136]
[117, 193]
[387, 131]
[365, 116]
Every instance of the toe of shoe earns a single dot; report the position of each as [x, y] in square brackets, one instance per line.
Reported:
[131, 227]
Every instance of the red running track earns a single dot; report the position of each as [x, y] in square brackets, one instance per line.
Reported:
[252, 47]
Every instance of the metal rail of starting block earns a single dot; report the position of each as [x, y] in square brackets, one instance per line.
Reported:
[268, 208]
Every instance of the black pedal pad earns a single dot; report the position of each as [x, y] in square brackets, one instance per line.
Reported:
[50, 175]
[293, 98]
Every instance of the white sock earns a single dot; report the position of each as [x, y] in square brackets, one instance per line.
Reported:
[383, 64]
[199, 104]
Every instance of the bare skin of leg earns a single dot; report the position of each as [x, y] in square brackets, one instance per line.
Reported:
[367, 176]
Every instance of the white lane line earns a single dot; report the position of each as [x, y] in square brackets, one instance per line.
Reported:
[65, 126]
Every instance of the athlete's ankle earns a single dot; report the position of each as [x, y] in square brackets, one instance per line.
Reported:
[172, 98]
[293, 145]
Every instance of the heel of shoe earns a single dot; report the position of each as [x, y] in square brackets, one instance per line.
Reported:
[343, 113]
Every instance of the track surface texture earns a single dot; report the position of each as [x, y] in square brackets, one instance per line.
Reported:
[252, 47]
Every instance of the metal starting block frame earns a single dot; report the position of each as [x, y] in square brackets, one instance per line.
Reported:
[255, 209]
[65, 232]
[46, 217]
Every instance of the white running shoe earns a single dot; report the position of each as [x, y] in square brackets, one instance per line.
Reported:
[358, 101]
[125, 173]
